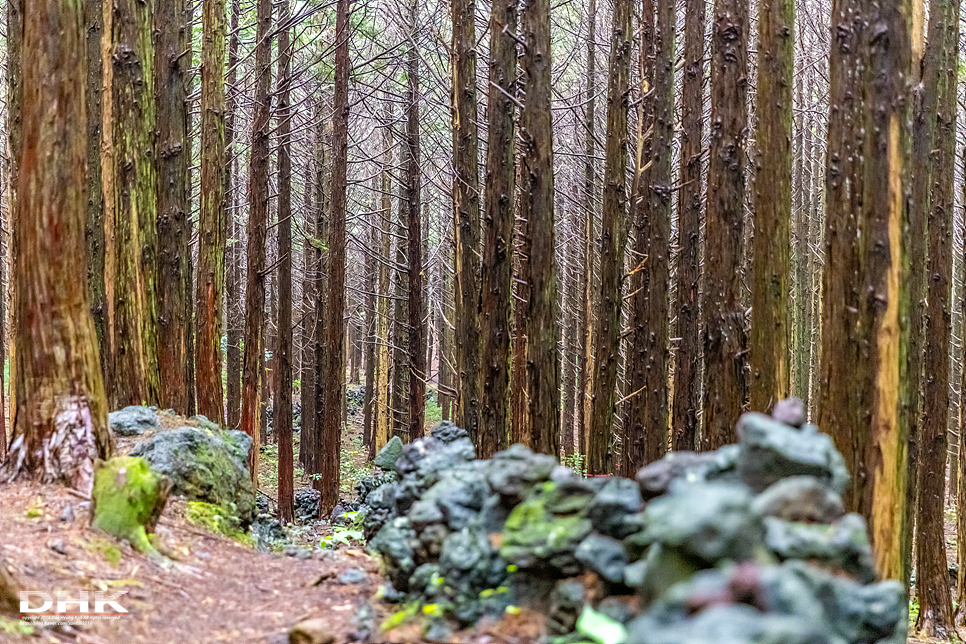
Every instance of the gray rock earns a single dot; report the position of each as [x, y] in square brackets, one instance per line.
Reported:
[843, 546]
[380, 509]
[536, 539]
[459, 494]
[657, 478]
[204, 421]
[711, 522]
[790, 411]
[204, 465]
[67, 514]
[470, 563]
[801, 499]
[424, 461]
[771, 451]
[352, 576]
[728, 624]
[855, 613]
[614, 509]
[307, 504]
[389, 454]
[396, 542]
[133, 421]
[603, 555]
[566, 602]
[515, 471]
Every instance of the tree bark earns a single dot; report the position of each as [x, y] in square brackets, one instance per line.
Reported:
[282, 407]
[131, 185]
[864, 315]
[417, 339]
[251, 410]
[497, 291]
[537, 208]
[233, 308]
[939, 77]
[687, 358]
[61, 418]
[173, 225]
[770, 339]
[613, 240]
[724, 317]
[466, 206]
[211, 222]
[646, 422]
[585, 341]
[94, 21]
[334, 369]
[383, 406]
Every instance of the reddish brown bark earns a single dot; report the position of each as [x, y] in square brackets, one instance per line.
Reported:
[61, 416]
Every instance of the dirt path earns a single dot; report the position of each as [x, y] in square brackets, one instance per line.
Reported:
[217, 591]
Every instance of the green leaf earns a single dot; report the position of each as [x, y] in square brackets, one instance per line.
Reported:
[600, 628]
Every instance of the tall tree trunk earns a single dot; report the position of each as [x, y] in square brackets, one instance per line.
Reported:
[94, 21]
[939, 78]
[251, 410]
[417, 339]
[307, 326]
[333, 372]
[234, 320]
[383, 420]
[724, 316]
[466, 205]
[173, 225]
[571, 300]
[369, 338]
[613, 240]
[646, 423]
[864, 314]
[520, 419]
[925, 76]
[61, 418]
[770, 340]
[282, 407]
[211, 238]
[14, 78]
[537, 208]
[497, 289]
[588, 203]
[687, 358]
[131, 189]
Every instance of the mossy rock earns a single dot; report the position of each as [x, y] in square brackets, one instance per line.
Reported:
[205, 465]
[128, 499]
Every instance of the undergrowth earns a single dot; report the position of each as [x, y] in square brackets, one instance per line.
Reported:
[220, 520]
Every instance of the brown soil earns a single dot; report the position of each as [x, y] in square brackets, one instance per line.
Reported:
[216, 590]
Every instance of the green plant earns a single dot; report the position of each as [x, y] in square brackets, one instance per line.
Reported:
[222, 520]
[349, 534]
[15, 627]
[576, 462]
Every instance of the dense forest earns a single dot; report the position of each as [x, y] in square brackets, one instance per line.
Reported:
[603, 230]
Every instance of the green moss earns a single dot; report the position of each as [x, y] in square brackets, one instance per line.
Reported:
[218, 519]
[399, 618]
[106, 549]
[128, 498]
[15, 627]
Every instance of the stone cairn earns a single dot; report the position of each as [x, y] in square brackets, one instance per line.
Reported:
[747, 544]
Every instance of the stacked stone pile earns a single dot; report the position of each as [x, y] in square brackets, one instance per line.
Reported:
[750, 543]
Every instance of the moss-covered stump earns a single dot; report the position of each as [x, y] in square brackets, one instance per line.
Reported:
[128, 499]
